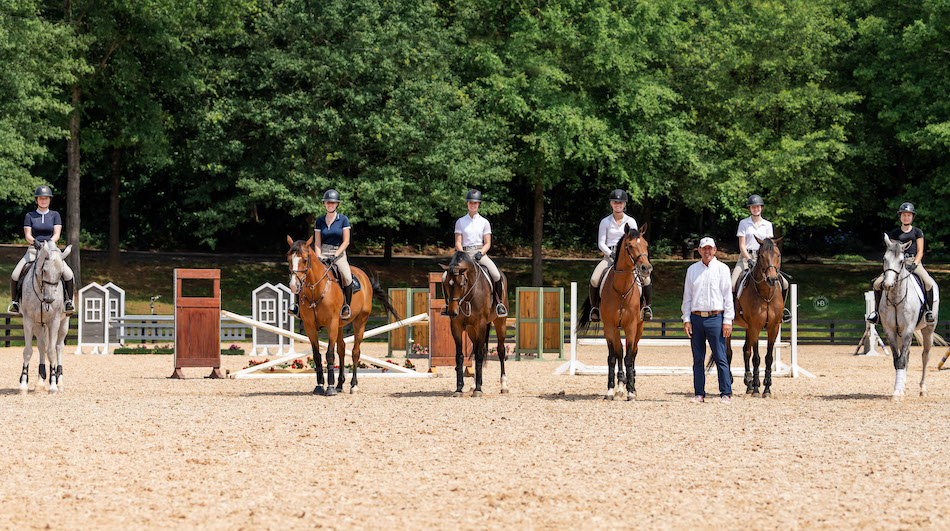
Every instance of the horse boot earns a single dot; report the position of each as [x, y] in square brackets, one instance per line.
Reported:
[500, 309]
[14, 307]
[68, 286]
[647, 300]
[347, 297]
[873, 317]
[929, 305]
[594, 303]
[294, 308]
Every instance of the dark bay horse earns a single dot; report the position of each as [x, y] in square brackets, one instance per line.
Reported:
[759, 306]
[320, 298]
[469, 304]
[620, 306]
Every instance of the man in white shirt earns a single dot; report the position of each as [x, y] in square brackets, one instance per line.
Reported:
[708, 312]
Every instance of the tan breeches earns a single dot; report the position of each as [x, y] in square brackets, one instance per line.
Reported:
[326, 251]
[921, 273]
[29, 257]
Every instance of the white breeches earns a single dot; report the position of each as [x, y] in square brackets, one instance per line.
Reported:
[31, 256]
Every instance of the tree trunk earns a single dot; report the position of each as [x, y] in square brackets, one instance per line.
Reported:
[115, 259]
[72, 186]
[388, 247]
[536, 279]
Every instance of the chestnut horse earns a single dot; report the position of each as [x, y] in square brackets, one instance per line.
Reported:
[759, 306]
[469, 303]
[320, 299]
[620, 306]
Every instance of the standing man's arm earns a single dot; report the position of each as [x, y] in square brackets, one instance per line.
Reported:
[728, 305]
[687, 305]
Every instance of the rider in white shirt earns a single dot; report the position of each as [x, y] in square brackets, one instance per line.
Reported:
[608, 234]
[750, 228]
[473, 237]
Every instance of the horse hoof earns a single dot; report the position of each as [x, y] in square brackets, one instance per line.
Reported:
[318, 390]
[621, 395]
[476, 394]
[631, 397]
[897, 398]
[923, 393]
[756, 394]
[53, 390]
[748, 390]
[354, 390]
[457, 394]
[331, 391]
[766, 395]
[504, 391]
[23, 390]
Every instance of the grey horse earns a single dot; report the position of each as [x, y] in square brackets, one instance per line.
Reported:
[900, 315]
[44, 316]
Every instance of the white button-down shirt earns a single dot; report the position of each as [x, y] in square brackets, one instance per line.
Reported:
[610, 232]
[472, 229]
[708, 289]
[750, 230]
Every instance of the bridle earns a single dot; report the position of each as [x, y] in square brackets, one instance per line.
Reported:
[465, 306]
[633, 269]
[900, 280]
[301, 276]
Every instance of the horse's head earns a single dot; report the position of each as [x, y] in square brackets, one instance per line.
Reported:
[300, 258]
[49, 266]
[631, 252]
[457, 281]
[769, 260]
[893, 260]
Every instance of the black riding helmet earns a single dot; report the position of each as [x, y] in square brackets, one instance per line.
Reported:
[905, 207]
[331, 195]
[43, 191]
[618, 195]
[474, 195]
[754, 200]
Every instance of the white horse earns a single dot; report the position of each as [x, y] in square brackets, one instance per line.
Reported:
[44, 316]
[900, 315]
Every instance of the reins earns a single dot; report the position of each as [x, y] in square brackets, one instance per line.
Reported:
[461, 300]
[304, 284]
[633, 269]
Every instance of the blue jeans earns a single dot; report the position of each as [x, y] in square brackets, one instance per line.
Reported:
[709, 329]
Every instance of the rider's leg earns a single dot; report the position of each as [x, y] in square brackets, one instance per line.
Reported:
[786, 314]
[14, 280]
[928, 282]
[737, 274]
[497, 286]
[347, 299]
[595, 278]
[69, 284]
[647, 300]
[294, 307]
[877, 287]
[347, 276]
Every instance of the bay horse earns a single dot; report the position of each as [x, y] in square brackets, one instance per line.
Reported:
[44, 315]
[469, 303]
[900, 315]
[620, 305]
[759, 306]
[320, 299]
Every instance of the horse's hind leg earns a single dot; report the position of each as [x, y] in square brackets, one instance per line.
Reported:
[27, 354]
[769, 357]
[900, 365]
[333, 330]
[613, 352]
[500, 333]
[318, 367]
[629, 360]
[341, 357]
[756, 363]
[747, 361]
[359, 326]
[924, 357]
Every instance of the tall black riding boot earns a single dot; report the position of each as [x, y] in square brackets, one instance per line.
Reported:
[500, 308]
[929, 302]
[594, 303]
[347, 298]
[14, 298]
[68, 286]
[647, 301]
[294, 307]
[873, 317]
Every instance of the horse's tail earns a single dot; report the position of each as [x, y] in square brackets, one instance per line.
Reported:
[383, 297]
[583, 320]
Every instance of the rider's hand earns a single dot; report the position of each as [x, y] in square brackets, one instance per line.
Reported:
[478, 256]
[912, 266]
[37, 244]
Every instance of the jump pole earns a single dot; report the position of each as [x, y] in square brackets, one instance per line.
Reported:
[247, 373]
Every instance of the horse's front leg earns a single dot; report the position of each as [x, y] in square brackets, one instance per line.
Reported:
[318, 366]
[42, 345]
[333, 330]
[60, 345]
[53, 355]
[359, 326]
[756, 362]
[341, 360]
[900, 365]
[459, 357]
[480, 352]
[27, 354]
[747, 361]
[500, 332]
[613, 355]
[633, 338]
[769, 357]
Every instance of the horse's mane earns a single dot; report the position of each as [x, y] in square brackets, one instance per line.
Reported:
[634, 233]
[297, 247]
[458, 258]
[767, 245]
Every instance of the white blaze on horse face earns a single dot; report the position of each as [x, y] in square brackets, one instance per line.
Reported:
[294, 285]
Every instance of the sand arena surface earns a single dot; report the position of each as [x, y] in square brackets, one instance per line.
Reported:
[123, 446]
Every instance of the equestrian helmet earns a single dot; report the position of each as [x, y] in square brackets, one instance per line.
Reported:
[754, 200]
[905, 207]
[331, 195]
[43, 191]
[473, 195]
[618, 195]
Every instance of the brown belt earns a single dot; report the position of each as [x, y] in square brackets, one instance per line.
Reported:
[707, 314]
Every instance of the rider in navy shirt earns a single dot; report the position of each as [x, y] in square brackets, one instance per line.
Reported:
[39, 226]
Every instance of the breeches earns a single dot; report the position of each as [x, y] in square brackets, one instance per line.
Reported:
[326, 251]
[920, 272]
[486, 261]
[31, 256]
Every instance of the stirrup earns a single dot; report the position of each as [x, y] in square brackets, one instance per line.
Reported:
[294, 310]
[345, 311]
[786, 315]
[444, 312]
[500, 310]
[647, 313]
[595, 314]
[69, 308]
[929, 316]
[14, 308]
[872, 318]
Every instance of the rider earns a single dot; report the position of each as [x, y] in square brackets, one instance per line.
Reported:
[39, 226]
[750, 228]
[913, 256]
[331, 235]
[473, 236]
[609, 233]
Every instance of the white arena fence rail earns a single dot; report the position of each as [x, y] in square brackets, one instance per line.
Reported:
[575, 367]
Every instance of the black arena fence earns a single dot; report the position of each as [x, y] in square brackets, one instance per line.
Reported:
[11, 330]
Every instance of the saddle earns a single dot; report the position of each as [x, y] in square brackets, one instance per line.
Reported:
[335, 273]
[603, 276]
[23, 274]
